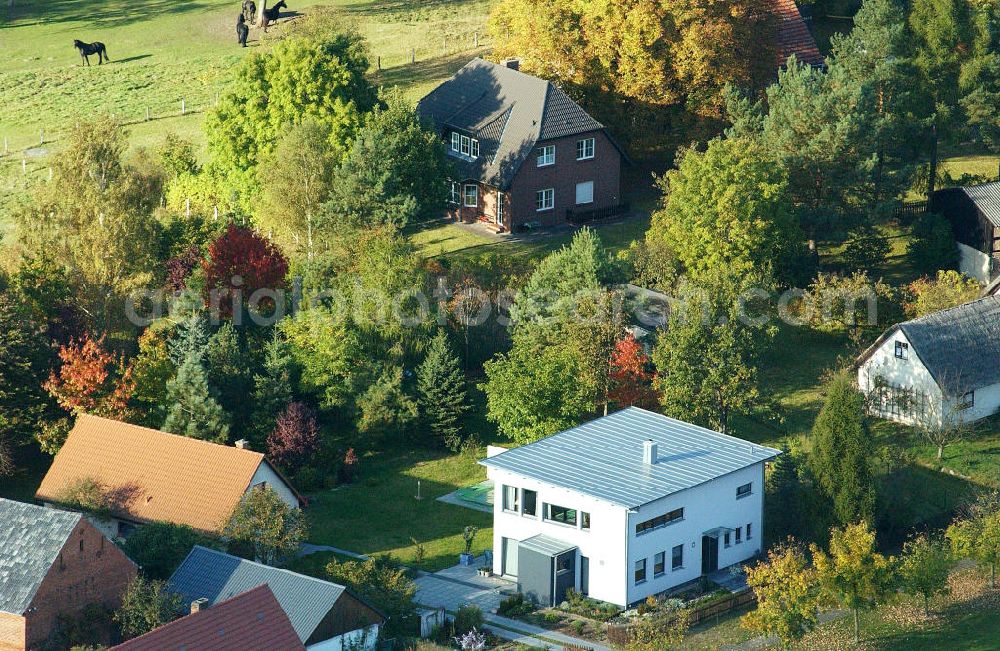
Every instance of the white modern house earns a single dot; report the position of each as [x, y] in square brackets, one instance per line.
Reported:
[626, 506]
[939, 370]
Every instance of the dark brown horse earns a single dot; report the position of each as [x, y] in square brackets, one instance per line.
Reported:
[250, 12]
[269, 16]
[242, 31]
[86, 49]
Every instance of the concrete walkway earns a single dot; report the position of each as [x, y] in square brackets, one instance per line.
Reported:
[544, 633]
[308, 548]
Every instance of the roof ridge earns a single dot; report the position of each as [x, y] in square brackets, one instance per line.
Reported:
[927, 318]
[264, 565]
[191, 439]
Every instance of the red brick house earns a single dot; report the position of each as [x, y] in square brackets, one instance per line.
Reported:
[52, 563]
[522, 151]
[250, 621]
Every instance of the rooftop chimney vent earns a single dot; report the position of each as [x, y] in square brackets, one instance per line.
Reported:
[513, 64]
[649, 452]
[199, 605]
[243, 444]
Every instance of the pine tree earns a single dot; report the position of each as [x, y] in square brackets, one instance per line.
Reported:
[272, 390]
[193, 410]
[843, 449]
[441, 391]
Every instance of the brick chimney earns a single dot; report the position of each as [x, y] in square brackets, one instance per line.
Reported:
[243, 444]
[513, 64]
[199, 605]
[649, 452]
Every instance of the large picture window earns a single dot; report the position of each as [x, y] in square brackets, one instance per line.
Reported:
[560, 514]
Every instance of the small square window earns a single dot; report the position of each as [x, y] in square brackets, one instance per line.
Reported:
[744, 490]
[545, 199]
[677, 557]
[968, 400]
[585, 149]
[659, 563]
[902, 350]
[640, 571]
[584, 193]
[471, 196]
[546, 155]
[584, 520]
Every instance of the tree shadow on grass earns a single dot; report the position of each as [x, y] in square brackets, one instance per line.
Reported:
[101, 14]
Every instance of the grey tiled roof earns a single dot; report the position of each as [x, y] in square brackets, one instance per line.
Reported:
[960, 346]
[987, 199]
[217, 576]
[30, 540]
[509, 112]
[603, 458]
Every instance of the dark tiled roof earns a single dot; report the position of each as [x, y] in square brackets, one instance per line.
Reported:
[250, 621]
[794, 36]
[509, 112]
[30, 540]
[987, 200]
[217, 576]
[960, 346]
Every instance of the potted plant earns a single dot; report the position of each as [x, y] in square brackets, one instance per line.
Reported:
[468, 535]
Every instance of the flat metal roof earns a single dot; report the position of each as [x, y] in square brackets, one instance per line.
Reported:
[546, 545]
[603, 458]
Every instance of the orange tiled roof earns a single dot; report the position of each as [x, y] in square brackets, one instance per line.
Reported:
[794, 36]
[250, 621]
[151, 475]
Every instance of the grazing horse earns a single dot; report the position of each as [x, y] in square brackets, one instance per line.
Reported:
[271, 15]
[242, 31]
[86, 49]
[250, 12]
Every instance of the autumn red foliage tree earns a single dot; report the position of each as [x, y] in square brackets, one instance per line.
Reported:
[240, 262]
[180, 267]
[91, 380]
[295, 439]
[631, 381]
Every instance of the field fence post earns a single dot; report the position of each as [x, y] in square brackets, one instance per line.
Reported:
[475, 36]
[41, 136]
[187, 207]
[147, 114]
[413, 55]
[378, 63]
[24, 166]
[5, 148]
[215, 214]
[183, 106]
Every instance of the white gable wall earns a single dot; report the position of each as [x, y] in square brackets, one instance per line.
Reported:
[266, 474]
[907, 373]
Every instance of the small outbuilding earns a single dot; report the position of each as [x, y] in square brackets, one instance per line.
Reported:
[974, 214]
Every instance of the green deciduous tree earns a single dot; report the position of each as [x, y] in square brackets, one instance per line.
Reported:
[383, 583]
[978, 537]
[706, 360]
[924, 568]
[787, 594]
[947, 290]
[298, 78]
[844, 451]
[152, 369]
[727, 208]
[853, 574]
[394, 172]
[159, 547]
[441, 392]
[933, 246]
[146, 604]
[270, 526]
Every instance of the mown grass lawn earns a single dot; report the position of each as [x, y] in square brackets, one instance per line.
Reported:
[379, 513]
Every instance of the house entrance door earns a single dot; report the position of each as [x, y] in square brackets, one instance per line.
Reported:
[509, 557]
[709, 554]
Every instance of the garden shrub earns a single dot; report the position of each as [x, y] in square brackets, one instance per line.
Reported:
[468, 618]
[515, 606]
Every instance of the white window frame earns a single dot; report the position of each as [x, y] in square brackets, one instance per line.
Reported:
[582, 147]
[902, 350]
[546, 156]
[541, 205]
[660, 560]
[473, 147]
[455, 193]
[456, 141]
[515, 492]
[577, 194]
[475, 195]
[640, 566]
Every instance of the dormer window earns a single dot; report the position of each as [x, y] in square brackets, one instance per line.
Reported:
[464, 145]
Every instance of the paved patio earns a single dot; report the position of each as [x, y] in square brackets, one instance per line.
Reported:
[460, 585]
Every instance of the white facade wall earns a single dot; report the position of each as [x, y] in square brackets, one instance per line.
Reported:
[974, 263]
[362, 639]
[612, 546]
[266, 474]
[603, 544]
[910, 373]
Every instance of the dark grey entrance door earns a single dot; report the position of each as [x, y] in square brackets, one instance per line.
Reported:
[565, 568]
[709, 554]
[584, 575]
